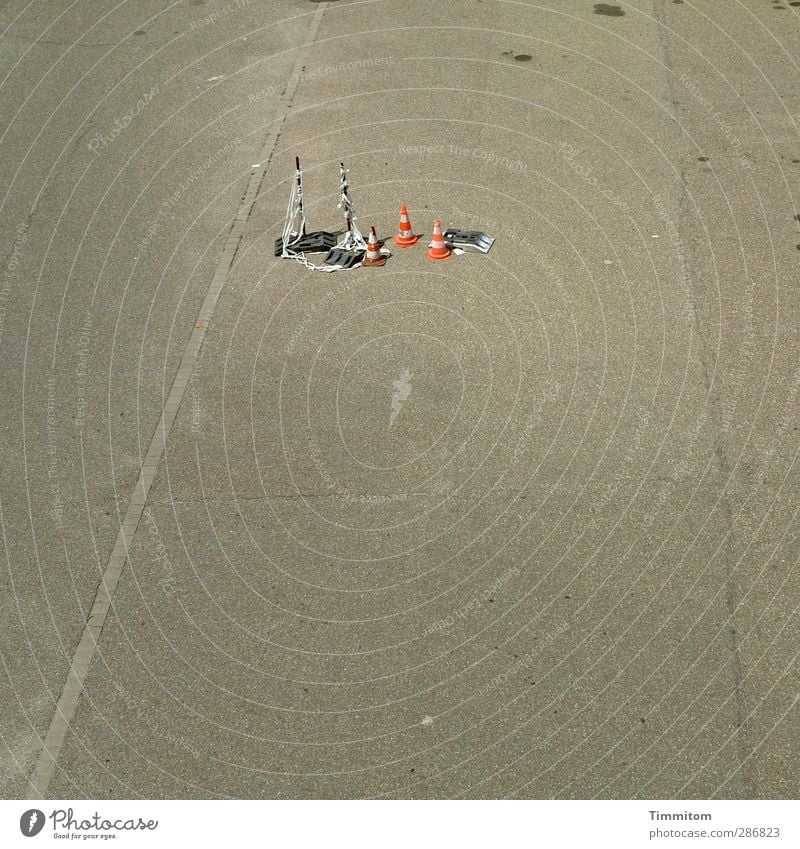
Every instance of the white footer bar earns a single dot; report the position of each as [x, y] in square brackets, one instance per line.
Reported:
[389, 824]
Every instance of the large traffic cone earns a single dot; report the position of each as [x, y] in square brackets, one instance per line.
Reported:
[374, 256]
[405, 237]
[438, 249]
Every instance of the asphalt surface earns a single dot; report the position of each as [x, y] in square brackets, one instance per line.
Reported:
[516, 525]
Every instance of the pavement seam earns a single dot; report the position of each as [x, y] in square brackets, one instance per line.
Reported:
[67, 703]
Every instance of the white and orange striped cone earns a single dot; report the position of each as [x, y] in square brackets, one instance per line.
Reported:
[438, 249]
[374, 257]
[405, 237]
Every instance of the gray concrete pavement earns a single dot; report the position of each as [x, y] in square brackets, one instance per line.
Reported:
[115, 207]
[567, 567]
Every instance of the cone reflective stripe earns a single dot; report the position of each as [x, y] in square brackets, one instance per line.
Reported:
[374, 257]
[405, 236]
[438, 249]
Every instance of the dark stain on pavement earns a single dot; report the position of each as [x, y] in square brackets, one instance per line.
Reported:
[605, 9]
[520, 57]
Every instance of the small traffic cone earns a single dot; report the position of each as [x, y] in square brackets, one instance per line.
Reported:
[438, 249]
[405, 237]
[374, 257]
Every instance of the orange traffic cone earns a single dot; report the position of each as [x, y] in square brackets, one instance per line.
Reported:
[405, 238]
[374, 256]
[438, 249]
